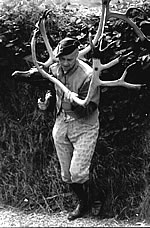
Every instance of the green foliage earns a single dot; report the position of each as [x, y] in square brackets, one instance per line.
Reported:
[30, 172]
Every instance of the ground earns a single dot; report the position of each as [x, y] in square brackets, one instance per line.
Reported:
[10, 217]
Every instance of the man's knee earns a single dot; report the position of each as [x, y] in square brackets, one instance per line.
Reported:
[58, 137]
[66, 178]
[78, 176]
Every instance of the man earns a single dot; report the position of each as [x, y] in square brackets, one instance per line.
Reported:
[76, 128]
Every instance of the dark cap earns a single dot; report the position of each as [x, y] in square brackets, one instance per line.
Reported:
[67, 46]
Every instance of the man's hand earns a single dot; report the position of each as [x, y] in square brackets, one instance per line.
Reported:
[69, 96]
[44, 104]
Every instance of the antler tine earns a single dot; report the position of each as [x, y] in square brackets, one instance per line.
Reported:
[145, 42]
[41, 25]
[100, 29]
[124, 17]
[90, 41]
[121, 81]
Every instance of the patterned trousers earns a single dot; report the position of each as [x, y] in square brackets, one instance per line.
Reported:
[75, 143]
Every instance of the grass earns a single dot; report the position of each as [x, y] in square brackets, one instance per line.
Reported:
[30, 173]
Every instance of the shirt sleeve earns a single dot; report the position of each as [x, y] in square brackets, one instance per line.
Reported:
[86, 111]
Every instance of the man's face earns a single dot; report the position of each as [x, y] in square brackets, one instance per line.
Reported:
[68, 61]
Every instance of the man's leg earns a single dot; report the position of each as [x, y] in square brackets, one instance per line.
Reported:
[63, 147]
[83, 205]
[84, 138]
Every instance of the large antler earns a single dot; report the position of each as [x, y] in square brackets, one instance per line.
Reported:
[82, 53]
[97, 66]
[105, 15]
[41, 27]
[45, 74]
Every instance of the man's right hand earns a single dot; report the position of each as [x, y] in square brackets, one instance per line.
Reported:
[44, 104]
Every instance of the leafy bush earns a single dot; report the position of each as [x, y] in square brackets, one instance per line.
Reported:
[30, 171]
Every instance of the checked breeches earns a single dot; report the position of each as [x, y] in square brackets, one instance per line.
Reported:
[75, 144]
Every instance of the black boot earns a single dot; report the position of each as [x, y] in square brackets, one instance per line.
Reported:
[83, 206]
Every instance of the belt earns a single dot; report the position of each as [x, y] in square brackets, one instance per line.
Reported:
[68, 116]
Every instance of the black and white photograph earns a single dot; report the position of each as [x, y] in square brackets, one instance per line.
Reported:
[74, 113]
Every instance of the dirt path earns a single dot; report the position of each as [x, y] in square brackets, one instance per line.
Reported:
[14, 218]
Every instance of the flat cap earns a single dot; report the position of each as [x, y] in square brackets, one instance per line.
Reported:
[67, 46]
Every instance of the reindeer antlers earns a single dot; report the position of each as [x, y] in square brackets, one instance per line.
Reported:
[97, 66]
[41, 27]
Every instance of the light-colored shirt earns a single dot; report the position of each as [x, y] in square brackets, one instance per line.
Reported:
[80, 74]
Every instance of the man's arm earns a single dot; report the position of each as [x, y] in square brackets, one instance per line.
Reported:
[86, 111]
[49, 101]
